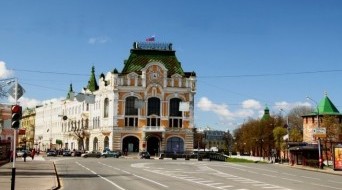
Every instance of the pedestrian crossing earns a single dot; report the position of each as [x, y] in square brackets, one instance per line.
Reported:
[229, 182]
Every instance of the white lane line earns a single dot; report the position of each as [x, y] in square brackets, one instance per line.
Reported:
[214, 184]
[325, 186]
[310, 177]
[288, 174]
[125, 172]
[114, 184]
[292, 180]
[269, 175]
[150, 181]
[335, 181]
[226, 186]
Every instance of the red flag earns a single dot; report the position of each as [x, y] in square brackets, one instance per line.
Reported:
[151, 39]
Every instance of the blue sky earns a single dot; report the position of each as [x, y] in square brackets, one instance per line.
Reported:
[246, 53]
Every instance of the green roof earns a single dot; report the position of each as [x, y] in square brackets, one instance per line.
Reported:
[140, 57]
[266, 115]
[326, 107]
[92, 84]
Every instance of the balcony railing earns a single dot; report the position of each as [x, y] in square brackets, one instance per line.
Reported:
[131, 121]
[175, 122]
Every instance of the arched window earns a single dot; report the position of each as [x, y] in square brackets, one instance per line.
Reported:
[131, 112]
[95, 144]
[130, 109]
[175, 119]
[106, 142]
[175, 145]
[174, 107]
[153, 106]
[106, 108]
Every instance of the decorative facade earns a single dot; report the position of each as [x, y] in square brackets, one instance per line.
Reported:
[149, 106]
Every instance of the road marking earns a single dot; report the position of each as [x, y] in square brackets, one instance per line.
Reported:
[292, 180]
[325, 186]
[335, 181]
[269, 175]
[152, 181]
[226, 186]
[114, 184]
[310, 177]
[212, 184]
[288, 174]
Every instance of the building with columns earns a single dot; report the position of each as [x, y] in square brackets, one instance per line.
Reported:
[148, 106]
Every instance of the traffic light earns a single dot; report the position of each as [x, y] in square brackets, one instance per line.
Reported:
[16, 116]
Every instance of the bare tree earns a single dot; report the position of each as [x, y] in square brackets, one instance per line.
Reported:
[295, 116]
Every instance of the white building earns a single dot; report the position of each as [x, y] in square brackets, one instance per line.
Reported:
[148, 106]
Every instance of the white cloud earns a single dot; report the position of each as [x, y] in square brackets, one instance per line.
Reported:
[99, 40]
[288, 106]
[248, 109]
[4, 72]
[32, 103]
[228, 118]
[251, 104]
[220, 109]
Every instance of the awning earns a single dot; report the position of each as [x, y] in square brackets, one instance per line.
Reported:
[304, 148]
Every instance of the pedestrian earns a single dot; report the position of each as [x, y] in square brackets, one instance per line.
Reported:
[33, 152]
[25, 155]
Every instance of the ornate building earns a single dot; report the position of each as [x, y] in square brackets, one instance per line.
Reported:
[26, 131]
[148, 106]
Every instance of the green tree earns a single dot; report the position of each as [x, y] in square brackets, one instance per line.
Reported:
[278, 134]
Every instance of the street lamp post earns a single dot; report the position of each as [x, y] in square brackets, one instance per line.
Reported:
[288, 133]
[319, 139]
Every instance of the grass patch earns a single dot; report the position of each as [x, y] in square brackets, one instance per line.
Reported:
[240, 160]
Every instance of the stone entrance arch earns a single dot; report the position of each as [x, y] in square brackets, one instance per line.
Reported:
[106, 142]
[95, 144]
[175, 145]
[130, 144]
[153, 145]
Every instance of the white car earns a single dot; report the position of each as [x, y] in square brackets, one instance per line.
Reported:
[20, 153]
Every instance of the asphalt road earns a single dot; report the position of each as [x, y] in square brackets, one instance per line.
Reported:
[135, 174]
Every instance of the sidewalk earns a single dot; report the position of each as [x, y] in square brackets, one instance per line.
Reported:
[36, 174]
[328, 170]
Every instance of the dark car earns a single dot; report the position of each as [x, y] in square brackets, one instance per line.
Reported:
[51, 153]
[66, 153]
[77, 153]
[114, 154]
[91, 154]
[144, 155]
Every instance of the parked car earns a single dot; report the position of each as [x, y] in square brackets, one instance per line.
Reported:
[51, 153]
[91, 154]
[77, 153]
[114, 154]
[144, 155]
[20, 153]
[66, 153]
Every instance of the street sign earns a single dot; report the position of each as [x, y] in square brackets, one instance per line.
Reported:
[320, 132]
[20, 91]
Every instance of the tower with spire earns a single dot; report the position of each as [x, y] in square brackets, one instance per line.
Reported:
[92, 84]
[325, 108]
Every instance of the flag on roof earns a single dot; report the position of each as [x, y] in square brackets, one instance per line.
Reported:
[150, 39]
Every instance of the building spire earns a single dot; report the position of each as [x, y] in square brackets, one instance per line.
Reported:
[266, 113]
[70, 94]
[92, 84]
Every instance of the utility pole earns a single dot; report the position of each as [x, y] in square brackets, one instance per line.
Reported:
[15, 131]
[320, 161]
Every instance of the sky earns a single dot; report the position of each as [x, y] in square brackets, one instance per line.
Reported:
[247, 54]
